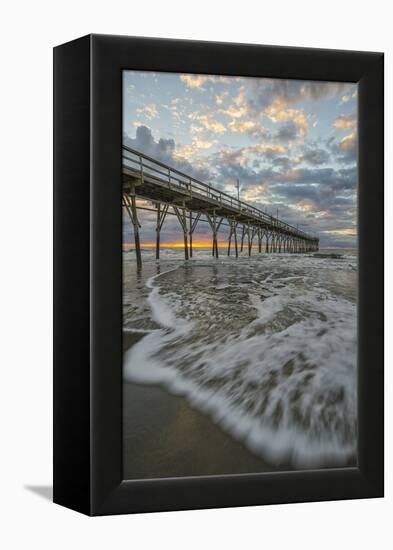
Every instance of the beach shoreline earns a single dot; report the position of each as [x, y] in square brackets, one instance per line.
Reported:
[165, 437]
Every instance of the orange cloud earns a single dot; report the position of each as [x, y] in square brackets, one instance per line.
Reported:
[242, 127]
[188, 152]
[346, 232]
[234, 112]
[207, 123]
[348, 142]
[256, 192]
[148, 110]
[219, 99]
[277, 114]
[194, 80]
[198, 80]
[345, 122]
[276, 148]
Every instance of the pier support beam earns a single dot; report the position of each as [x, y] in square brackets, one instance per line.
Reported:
[182, 217]
[158, 231]
[233, 231]
[243, 234]
[215, 225]
[190, 234]
[193, 224]
[273, 243]
[249, 239]
[129, 201]
[161, 215]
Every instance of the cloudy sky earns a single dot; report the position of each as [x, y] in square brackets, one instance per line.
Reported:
[292, 145]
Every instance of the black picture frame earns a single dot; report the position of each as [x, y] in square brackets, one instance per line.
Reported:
[88, 274]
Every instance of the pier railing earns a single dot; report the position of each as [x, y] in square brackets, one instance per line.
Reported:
[148, 167]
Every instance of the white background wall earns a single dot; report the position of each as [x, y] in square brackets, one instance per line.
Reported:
[28, 32]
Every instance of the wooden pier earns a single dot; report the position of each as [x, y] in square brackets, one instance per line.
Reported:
[171, 192]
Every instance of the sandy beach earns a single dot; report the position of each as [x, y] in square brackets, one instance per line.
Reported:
[175, 440]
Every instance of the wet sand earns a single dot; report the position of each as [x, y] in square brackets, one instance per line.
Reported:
[165, 437]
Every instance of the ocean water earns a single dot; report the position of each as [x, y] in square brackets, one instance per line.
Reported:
[265, 346]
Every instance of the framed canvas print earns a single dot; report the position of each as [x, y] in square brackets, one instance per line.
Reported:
[218, 275]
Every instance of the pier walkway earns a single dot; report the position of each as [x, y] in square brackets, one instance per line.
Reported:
[172, 192]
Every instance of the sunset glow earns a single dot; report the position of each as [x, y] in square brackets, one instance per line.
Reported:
[178, 244]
